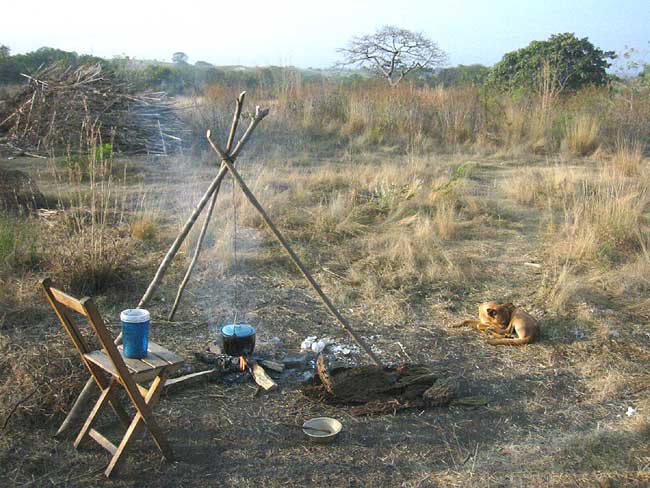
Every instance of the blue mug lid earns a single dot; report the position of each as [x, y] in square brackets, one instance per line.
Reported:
[237, 330]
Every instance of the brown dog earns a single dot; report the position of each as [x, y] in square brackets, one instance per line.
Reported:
[521, 323]
[501, 321]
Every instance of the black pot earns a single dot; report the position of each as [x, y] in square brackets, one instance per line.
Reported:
[238, 339]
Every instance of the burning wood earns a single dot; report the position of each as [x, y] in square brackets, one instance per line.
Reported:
[261, 378]
[231, 364]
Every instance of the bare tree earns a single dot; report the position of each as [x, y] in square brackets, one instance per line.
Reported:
[393, 53]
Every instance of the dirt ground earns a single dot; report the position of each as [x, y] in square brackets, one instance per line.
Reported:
[556, 414]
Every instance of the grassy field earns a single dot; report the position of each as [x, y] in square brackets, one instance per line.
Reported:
[407, 240]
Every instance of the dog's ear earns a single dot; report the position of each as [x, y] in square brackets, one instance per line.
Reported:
[509, 306]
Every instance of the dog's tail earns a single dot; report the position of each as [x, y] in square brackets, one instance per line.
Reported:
[519, 341]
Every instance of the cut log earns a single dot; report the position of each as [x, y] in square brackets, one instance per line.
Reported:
[260, 376]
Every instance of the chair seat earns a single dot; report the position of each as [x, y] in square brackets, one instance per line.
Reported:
[144, 369]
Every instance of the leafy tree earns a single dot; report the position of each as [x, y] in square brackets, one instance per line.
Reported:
[392, 53]
[180, 58]
[571, 62]
[7, 65]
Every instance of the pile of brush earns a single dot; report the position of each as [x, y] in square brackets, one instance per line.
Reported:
[60, 108]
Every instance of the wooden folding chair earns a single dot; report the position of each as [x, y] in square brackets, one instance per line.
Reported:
[110, 369]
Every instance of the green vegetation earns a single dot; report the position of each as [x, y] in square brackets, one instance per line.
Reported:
[473, 74]
[574, 63]
[11, 67]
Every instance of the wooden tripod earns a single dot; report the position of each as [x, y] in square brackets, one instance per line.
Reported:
[228, 157]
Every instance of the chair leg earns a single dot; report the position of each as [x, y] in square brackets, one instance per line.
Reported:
[151, 399]
[138, 422]
[101, 401]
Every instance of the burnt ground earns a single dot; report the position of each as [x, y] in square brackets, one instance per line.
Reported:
[556, 414]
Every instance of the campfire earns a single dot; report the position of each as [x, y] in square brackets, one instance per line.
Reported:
[224, 364]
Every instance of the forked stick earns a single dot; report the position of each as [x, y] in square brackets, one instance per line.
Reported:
[294, 257]
[213, 201]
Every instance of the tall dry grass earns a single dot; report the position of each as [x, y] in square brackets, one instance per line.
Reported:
[582, 135]
[387, 231]
[331, 115]
[597, 226]
[628, 157]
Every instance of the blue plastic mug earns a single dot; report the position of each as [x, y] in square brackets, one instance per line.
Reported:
[135, 332]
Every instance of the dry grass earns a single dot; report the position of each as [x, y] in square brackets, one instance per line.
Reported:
[405, 243]
[582, 135]
[383, 228]
[41, 375]
[543, 187]
[604, 220]
[321, 116]
[145, 228]
[595, 218]
[628, 157]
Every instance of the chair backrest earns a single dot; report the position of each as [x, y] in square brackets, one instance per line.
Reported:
[62, 303]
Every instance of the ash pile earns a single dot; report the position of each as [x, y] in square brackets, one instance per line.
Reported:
[64, 109]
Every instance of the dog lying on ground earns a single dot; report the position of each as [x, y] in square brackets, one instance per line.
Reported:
[502, 321]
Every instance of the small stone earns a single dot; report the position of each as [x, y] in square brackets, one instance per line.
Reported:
[295, 361]
[307, 343]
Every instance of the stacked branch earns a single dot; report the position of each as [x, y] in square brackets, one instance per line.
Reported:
[60, 106]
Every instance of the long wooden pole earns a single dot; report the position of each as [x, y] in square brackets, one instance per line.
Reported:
[294, 257]
[213, 201]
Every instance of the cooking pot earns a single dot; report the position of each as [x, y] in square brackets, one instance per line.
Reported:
[238, 339]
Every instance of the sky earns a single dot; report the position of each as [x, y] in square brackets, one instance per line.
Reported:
[307, 33]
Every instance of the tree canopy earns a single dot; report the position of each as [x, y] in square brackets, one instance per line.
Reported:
[180, 57]
[393, 53]
[11, 67]
[572, 63]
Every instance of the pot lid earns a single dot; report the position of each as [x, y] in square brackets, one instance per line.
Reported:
[237, 330]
